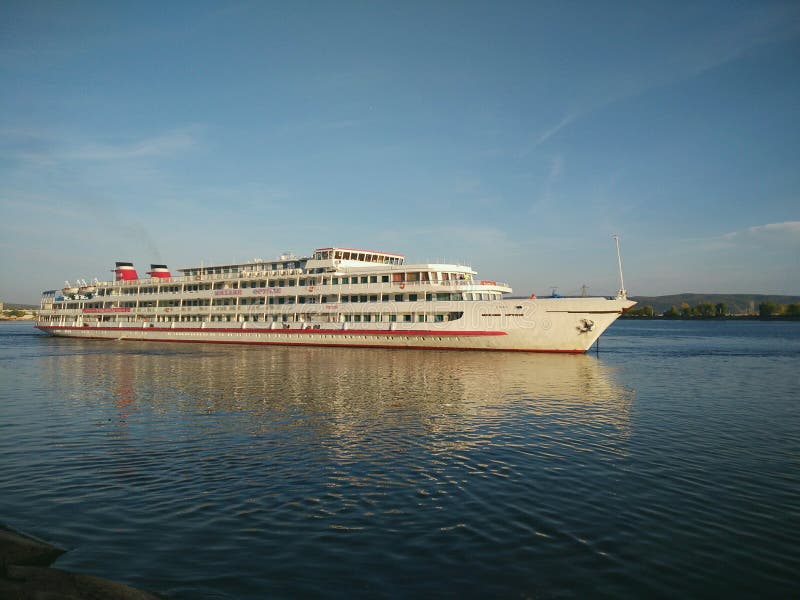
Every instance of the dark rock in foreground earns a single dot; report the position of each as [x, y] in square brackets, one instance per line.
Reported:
[25, 575]
[18, 549]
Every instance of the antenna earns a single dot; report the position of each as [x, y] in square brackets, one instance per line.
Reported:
[622, 292]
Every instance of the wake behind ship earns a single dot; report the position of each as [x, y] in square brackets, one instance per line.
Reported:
[335, 297]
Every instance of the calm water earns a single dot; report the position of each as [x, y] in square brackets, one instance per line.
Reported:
[666, 467]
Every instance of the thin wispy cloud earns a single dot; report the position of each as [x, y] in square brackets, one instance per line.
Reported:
[554, 174]
[168, 144]
[694, 57]
[41, 148]
[565, 122]
[786, 229]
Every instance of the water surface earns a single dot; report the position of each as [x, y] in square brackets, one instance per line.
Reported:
[665, 466]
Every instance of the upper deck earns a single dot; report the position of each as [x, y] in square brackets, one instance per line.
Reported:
[330, 270]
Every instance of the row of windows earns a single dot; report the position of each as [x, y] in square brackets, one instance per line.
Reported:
[279, 300]
[277, 266]
[368, 318]
[371, 257]
[301, 282]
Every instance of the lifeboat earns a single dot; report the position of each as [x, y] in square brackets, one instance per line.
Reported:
[69, 289]
[87, 288]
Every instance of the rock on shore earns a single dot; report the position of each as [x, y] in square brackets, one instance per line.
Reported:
[25, 574]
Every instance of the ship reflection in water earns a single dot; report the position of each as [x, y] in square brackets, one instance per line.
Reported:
[383, 469]
[335, 391]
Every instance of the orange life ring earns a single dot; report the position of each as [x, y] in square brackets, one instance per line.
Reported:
[197, 277]
[402, 286]
[311, 288]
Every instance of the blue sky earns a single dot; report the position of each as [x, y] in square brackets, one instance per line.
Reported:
[515, 136]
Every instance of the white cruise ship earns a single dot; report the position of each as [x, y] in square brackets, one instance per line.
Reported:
[335, 297]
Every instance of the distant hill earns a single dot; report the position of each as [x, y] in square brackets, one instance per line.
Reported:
[13, 306]
[736, 303]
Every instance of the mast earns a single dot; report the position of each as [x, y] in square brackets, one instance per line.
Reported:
[622, 293]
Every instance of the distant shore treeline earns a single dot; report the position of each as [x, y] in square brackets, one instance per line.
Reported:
[720, 310]
[721, 304]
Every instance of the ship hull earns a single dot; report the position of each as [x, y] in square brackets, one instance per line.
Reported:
[567, 325]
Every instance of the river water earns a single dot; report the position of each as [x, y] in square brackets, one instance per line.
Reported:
[666, 466]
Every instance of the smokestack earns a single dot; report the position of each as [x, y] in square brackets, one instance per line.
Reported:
[125, 271]
[159, 272]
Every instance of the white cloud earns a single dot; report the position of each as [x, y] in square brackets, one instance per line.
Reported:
[168, 144]
[43, 148]
[787, 229]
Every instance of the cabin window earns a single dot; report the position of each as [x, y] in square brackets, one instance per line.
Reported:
[412, 297]
[421, 318]
[392, 318]
[373, 298]
[407, 318]
[365, 280]
[384, 297]
[373, 279]
[398, 297]
[384, 279]
[357, 318]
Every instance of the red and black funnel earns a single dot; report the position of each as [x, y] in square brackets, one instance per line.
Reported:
[125, 271]
[159, 272]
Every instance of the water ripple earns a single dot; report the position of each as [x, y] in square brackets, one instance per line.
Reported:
[661, 468]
